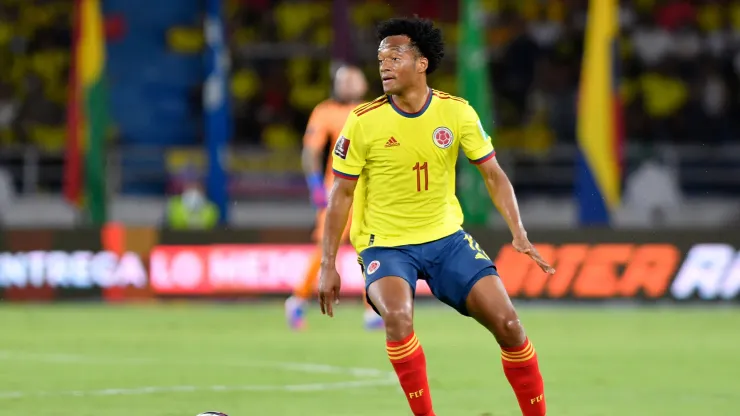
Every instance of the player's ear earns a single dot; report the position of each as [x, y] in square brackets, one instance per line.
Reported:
[422, 64]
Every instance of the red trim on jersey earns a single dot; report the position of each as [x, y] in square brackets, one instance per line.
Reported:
[345, 175]
[448, 97]
[366, 105]
[484, 159]
[371, 107]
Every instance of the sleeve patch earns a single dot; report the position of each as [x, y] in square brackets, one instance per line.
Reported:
[342, 147]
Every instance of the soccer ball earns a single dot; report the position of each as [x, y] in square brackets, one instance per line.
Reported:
[212, 414]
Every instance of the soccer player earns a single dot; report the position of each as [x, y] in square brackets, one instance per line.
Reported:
[325, 124]
[395, 160]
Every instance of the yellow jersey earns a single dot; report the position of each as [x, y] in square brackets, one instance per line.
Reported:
[405, 167]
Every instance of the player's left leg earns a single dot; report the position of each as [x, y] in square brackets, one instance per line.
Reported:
[464, 277]
[489, 304]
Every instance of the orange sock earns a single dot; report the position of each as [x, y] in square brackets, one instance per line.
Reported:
[307, 286]
[410, 364]
[523, 372]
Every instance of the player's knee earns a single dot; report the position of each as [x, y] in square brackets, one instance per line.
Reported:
[508, 329]
[398, 323]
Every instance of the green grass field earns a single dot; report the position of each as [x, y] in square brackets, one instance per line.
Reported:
[181, 359]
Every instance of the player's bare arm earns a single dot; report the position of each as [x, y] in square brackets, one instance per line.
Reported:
[311, 160]
[502, 193]
[337, 213]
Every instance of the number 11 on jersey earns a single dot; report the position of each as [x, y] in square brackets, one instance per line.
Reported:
[418, 167]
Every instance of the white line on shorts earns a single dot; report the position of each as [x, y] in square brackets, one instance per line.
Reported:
[313, 387]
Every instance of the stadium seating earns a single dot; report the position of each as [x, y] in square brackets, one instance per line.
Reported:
[679, 74]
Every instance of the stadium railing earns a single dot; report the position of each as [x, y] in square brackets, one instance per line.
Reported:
[702, 170]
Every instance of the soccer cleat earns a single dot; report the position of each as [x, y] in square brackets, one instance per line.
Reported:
[373, 321]
[295, 313]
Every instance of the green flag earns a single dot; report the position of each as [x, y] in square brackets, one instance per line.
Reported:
[473, 85]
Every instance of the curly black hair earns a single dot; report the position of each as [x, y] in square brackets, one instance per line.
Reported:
[426, 38]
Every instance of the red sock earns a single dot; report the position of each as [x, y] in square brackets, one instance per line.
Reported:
[410, 364]
[523, 373]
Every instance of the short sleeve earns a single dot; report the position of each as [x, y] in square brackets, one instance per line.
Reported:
[476, 143]
[348, 156]
[317, 133]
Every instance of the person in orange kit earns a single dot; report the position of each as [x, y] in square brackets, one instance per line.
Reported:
[324, 125]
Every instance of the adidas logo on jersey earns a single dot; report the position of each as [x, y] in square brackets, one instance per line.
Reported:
[392, 142]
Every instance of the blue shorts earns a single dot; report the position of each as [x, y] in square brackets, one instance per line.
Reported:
[450, 266]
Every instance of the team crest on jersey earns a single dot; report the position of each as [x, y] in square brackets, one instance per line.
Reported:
[373, 267]
[342, 147]
[442, 137]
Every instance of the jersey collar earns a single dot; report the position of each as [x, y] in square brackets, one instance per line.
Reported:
[416, 114]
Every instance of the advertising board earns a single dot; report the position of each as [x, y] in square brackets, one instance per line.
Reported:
[243, 269]
[81, 264]
[584, 271]
[129, 263]
[77, 269]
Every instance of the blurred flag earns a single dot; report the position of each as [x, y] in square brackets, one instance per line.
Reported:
[474, 86]
[341, 50]
[84, 176]
[600, 130]
[217, 111]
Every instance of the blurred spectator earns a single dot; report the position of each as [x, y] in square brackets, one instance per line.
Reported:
[652, 43]
[544, 30]
[7, 194]
[713, 105]
[652, 192]
[665, 94]
[520, 60]
[675, 13]
[191, 210]
[8, 113]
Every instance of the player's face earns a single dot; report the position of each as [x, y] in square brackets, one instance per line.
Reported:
[350, 84]
[400, 64]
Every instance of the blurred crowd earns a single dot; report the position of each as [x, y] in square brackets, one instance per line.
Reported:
[35, 40]
[680, 66]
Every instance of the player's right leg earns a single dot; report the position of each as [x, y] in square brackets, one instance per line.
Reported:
[390, 281]
[295, 305]
[489, 304]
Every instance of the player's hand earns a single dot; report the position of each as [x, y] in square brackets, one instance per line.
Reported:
[318, 197]
[329, 285]
[522, 245]
[318, 191]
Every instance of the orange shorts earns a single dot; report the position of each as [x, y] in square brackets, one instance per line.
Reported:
[318, 232]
